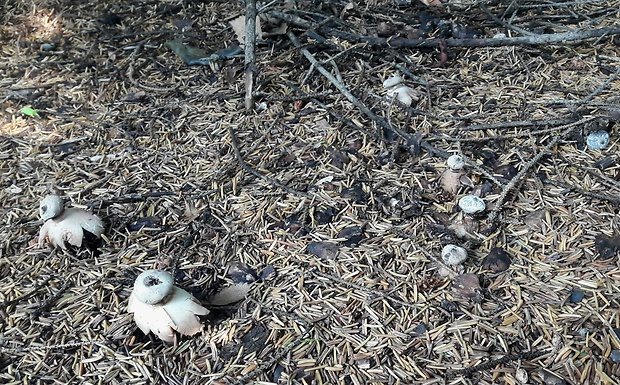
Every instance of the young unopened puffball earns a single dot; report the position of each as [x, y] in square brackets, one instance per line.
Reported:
[64, 226]
[160, 307]
[471, 204]
[453, 255]
[455, 175]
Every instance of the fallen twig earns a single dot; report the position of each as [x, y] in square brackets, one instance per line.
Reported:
[246, 167]
[358, 104]
[534, 40]
[250, 58]
[526, 168]
[609, 198]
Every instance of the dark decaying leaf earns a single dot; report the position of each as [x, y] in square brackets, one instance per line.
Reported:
[182, 24]
[323, 216]
[253, 341]
[190, 55]
[607, 246]
[231, 294]
[292, 224]
[269, 272]
[356, 193]
[323, 250]
[535, 219]
[461, 31]
[111, 19]
[351, 235]
[285, 159]
[146, 223]
[498, 260]
[339, 158]
[241, 273]
[385, 29]
[138, 96]
[467, 286]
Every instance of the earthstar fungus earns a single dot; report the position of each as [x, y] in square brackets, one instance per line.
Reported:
[160, 307]
[64, 226]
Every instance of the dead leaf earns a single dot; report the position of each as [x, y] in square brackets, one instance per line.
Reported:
[182, 24]
[607, 246]
[323, 250]
[231, 294]
[135, 96]
[238, 25]
[451, 181]
[468, 286]
[536, 219]
[497, 261]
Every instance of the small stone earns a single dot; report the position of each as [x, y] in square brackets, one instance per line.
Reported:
[47, 46]
[420, 330]
[597, 140]
[614, 356]
[453, 255]
[576, 295]
[471, 204]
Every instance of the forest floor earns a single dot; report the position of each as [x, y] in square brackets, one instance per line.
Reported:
[329, 189]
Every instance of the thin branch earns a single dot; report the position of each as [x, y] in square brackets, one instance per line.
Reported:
[504, 24]
[358, 104]
[246, 167]
[517, 178]
[250, 58]
[535, 40]
[500, 361]
[609, 198]
[378, 293]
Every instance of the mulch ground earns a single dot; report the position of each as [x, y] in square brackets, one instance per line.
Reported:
[338, 210]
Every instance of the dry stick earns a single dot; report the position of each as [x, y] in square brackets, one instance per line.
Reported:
[50, 347]
[8, 303]
[131, 198]
[517, 178]
[535, 40]
[600, 89]
[45, 305]
[235, 146]
[523, 123]
[504, 24]
[250, 48]
[338, 117]
[605, 197]
[496, 137]
[345, 92]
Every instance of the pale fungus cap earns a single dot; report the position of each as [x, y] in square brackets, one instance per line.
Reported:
[64, 226]
[453, 255]
[50, 207]
[161, 308]
[471, 204]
